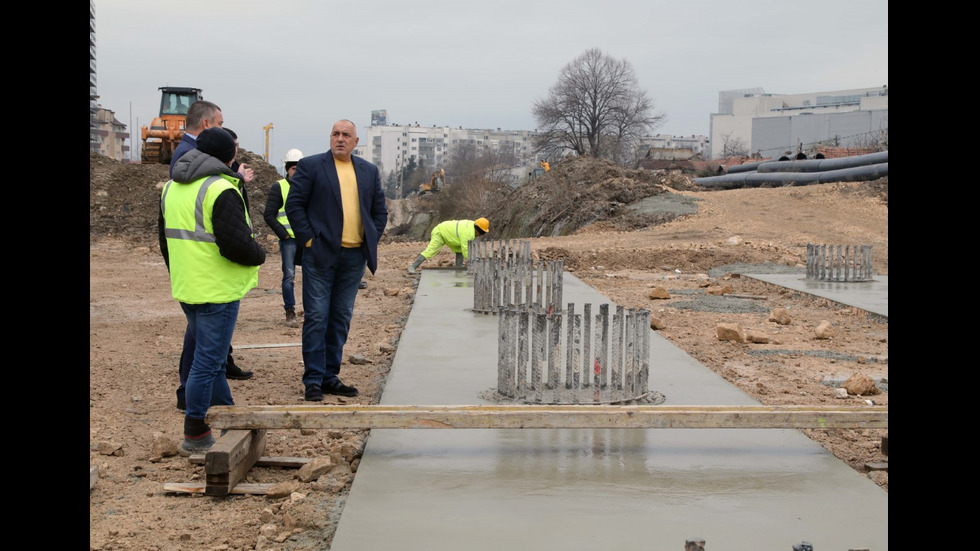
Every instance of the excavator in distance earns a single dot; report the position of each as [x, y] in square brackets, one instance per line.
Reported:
[435, 184]
[161, 137]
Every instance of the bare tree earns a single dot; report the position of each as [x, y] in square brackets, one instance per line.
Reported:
[595, 108]
[733, 146]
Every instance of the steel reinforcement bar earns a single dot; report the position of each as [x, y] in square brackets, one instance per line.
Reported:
[504, 274]
[839, 262]
[601, 359]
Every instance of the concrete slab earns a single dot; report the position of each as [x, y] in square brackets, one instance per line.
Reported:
[563, 489]
[871, 296]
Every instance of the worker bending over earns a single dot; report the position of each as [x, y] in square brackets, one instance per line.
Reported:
[455, 234]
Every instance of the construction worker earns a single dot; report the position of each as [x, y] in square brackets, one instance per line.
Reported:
[455, 234]
[275, 216]
[212, 256]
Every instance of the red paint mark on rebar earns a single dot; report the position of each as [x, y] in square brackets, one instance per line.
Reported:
[596, 371]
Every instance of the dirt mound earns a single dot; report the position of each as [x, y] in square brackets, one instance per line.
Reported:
[124, 198]
[577, 192]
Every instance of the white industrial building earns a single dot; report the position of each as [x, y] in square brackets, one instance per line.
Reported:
[771, 125]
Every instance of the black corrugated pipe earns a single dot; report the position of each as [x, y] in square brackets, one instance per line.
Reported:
[821, 165]
[815, 165]
[756, 179]
[745, 167]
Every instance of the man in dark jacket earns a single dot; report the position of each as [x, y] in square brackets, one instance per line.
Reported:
[337, 210]
[209, 248]
[201, 115]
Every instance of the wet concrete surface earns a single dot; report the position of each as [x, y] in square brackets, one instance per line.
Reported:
[567, 489]
[871, 296]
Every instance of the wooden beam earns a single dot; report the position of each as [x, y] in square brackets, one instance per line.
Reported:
[276, 345]
[328, 416]
[200, 488]
[264, 461]
[230, 458]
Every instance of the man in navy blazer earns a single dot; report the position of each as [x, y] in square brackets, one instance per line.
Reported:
[337, 210]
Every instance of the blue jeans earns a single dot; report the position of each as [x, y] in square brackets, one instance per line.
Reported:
[212, 326]
[328, 301]
[287, 250]
[186, 357]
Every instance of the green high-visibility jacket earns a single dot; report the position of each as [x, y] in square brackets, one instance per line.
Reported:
[281, 216]
[455, 234]
[198, 272]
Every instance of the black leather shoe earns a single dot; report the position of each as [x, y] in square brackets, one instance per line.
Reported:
[340, 389]
[235, 373]
[313, 393]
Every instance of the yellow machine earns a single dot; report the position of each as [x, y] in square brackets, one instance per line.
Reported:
[164, 133]
[435, 184]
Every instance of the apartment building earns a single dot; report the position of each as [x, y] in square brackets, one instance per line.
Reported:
[391, 147]
[752, 122]
[111, 134]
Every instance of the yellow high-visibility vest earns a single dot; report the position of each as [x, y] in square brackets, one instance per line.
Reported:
[198, 272]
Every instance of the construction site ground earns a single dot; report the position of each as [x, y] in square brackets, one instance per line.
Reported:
[136, 331]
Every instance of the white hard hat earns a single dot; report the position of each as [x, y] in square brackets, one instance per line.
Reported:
[292, 156]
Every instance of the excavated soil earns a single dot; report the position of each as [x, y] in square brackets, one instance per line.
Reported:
[627, 233]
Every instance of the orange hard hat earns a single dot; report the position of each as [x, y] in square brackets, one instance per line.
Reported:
[483, 224]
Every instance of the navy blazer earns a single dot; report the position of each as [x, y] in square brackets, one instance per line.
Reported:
[315, 212]
[186, 143]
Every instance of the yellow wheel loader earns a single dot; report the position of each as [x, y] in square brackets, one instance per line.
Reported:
[161, 137]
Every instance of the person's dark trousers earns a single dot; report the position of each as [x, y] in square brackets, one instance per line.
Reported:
[328, 300]
[287, 253]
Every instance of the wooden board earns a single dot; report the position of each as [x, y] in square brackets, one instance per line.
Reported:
[278, 345]
[264, 461]
[330, 416]
[230, 458]
[200, 488]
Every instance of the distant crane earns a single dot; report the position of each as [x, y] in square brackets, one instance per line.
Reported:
[267, 128]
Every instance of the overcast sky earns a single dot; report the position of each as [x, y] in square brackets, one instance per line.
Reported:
[304, 64]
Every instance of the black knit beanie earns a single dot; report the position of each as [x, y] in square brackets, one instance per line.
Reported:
[215, 141]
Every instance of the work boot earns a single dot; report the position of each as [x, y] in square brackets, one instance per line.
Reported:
[313, 393]
[459, 260]
[415, 265]
[197, 437]
[291, 320]
[235, 373]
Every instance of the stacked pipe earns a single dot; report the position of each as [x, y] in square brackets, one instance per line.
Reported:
[839, 263]
[816, 171]
[600, 359]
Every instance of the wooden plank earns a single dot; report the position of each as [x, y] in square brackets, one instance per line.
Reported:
[230, 458]
[200, 488]
[264, 461]
[274, 345]
[331, 416]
